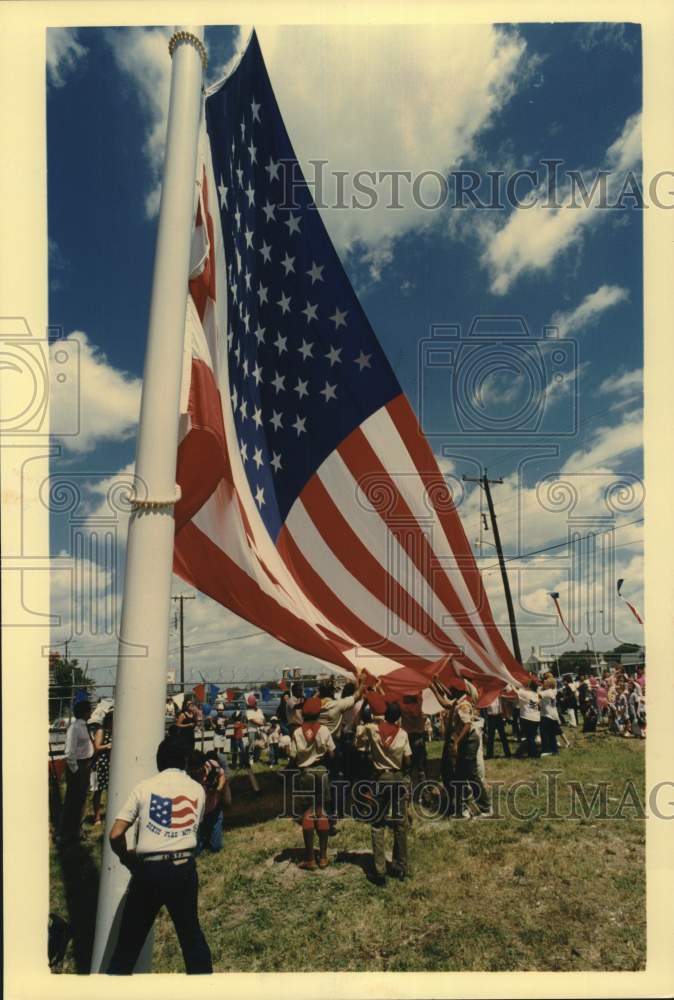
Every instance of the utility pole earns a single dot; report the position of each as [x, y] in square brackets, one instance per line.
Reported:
[485, 483]
[181, 598]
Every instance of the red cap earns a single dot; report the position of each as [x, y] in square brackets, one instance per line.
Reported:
[251, 701]
[377, 702]
[312, 706]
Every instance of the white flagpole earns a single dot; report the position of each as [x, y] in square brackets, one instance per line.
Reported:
[143, 648]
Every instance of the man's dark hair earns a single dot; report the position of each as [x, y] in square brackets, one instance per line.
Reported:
[392, 713]
[348, 689]
[195, 760]
[170, 754]
[297, 690]
[81, 709]
[325, 689]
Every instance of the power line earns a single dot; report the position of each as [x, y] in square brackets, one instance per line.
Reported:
[558, 545]
[217, 642]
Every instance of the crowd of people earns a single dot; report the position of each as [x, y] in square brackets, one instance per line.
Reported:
[349, 751]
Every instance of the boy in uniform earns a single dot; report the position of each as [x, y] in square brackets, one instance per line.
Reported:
[311, 745]
[390, 755]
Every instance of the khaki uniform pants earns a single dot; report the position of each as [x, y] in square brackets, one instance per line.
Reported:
[391, 796]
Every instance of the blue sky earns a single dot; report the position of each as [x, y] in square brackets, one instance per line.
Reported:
[483, 99]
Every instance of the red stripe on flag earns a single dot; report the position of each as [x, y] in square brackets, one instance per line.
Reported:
[426, 464]
[202, 287]
[202, 454]
[208, 568]
[320, 594]
[359, 561]
[362, 462]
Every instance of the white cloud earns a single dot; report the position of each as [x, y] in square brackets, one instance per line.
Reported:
[623, 382]
[108, 400]
[64, 53]
[533, 236]
[589, 310]
[625, 152]
[142, 55]
[388, 98]
[533, 517]
[362, 100]
[609, 444]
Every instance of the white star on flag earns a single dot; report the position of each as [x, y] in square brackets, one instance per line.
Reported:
[339, 318]
[293, 224]
[329, 391]
[310, 312]
[363, 361]
[315, 273]
[272, 169]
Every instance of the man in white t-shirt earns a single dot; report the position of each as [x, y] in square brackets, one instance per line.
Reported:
[79, 752]
[530, 717]
[167, 808]
[496, 724]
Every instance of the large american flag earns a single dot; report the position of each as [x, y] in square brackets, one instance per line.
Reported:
[312, 505]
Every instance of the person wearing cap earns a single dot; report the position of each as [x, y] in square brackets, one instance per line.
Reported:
[390, 754]
[167, 808]
[311, 745]
[530, 717]
[79, 752]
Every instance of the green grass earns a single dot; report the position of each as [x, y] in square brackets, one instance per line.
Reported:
[503, 894]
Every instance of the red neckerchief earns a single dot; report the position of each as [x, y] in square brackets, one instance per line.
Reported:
[310, 729]
[387, 732]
